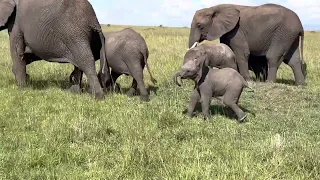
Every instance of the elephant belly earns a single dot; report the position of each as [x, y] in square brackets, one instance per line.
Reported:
[52, 52]
[118, 66]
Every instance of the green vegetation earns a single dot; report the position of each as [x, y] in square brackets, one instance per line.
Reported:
[47, 132]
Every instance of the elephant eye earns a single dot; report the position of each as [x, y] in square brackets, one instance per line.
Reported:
[199, 26]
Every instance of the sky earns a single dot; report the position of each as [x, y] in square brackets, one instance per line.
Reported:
[179, 13]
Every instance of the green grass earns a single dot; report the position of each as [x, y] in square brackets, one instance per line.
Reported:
[47, 132]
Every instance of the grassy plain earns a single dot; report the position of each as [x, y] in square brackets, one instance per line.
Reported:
[47, 132]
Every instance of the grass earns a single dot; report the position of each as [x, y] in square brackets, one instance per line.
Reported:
[47, 132]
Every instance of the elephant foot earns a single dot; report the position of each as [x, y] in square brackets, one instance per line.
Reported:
[144, 98]
[189, 115]
[242, 117]
[301, 84]
[207, 117]
[75, 89]
[99, 95]
[131, 92]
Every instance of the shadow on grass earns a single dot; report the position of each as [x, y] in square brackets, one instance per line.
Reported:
[219, 109]
[149, 88]
[286, 81]
[42, 84]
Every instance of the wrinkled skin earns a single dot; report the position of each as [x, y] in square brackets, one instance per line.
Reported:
[217, 55]
[56, 31]
[225, 84]
[127, 53]
[214, 55]
[266, 30]
[259, 65]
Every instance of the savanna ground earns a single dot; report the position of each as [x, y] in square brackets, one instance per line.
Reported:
[47, 132]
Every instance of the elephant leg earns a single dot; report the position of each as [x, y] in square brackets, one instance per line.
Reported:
[195, 97]
[205, 104]
[242, 56]
[133, 88]
[17, 47]
[231, 99]
[75, 79]
[292, 58]
[274, 58]
[115, 86]
[137, 73]
[86, 63]
[144, 95]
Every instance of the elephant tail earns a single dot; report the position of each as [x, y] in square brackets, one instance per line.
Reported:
[301, 37]
[153, 80]
[303, 63]
[104, 67]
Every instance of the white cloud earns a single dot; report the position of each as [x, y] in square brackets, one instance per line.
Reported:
[180, 12]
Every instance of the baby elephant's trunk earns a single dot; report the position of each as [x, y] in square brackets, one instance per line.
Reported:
[176, 79]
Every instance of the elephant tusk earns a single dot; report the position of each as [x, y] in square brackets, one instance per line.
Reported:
[194, 45]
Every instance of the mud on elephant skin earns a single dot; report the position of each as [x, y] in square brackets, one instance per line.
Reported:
[127, 53]
[28, 27]
[267, 30]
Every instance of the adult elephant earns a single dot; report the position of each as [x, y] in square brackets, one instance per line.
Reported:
[57, 31]
[267, 30]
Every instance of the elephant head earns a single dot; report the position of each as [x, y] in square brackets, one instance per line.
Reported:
[211, 23]
[7, 14]
[192, 69]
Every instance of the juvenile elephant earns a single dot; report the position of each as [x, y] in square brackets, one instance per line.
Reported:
[267, 30]
[57, 31]
[259, 65]
[225, 84]
[217, 55]
[127, 53]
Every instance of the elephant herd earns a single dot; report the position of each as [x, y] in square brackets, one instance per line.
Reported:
[257, 38]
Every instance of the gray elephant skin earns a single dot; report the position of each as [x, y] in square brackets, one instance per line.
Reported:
[217, 55]
[225, 84]
[64, 31]
[267, 30]
[127, 53]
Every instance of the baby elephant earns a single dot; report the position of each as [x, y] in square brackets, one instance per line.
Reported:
[217, 55]
[225, 84]
[127, 53]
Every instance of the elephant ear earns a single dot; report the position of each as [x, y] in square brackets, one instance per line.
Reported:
[223, 21]
[6, 9]
[201, 62]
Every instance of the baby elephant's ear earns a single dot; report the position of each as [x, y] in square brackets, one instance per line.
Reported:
[200, 62]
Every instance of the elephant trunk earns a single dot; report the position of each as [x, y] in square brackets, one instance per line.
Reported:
[176, 79]
[194, 37]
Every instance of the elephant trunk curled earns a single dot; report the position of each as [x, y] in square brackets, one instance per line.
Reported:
[176, 79]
